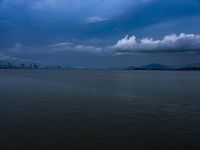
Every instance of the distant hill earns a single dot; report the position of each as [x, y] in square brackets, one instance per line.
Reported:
[197, 65]
[155, 67]
[149, 67]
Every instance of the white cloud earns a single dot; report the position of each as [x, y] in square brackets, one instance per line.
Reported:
[95, 19]
[92, 49]
[65, 46]
[9, 58]
[50, 4]
[182, 43]
[60, 44]
[169, 43]
[4, 57]
[126, 43]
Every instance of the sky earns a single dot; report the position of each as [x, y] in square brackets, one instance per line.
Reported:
[100, 33]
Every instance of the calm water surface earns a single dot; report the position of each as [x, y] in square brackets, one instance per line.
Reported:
[99, 110]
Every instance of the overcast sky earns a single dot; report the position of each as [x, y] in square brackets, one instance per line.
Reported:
[96, 33]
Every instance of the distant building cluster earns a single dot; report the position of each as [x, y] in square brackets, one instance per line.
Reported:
[21, 66]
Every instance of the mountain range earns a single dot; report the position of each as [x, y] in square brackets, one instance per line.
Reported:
[155, 66]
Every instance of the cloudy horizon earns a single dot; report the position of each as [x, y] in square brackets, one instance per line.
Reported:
[100, 33]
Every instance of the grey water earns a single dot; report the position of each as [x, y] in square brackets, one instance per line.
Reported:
[99, 110]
